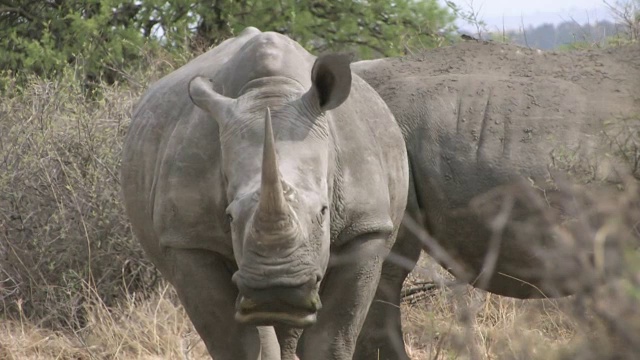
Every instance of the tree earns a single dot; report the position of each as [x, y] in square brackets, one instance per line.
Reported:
[370, 27]
[100, 37]
[627, 12]
[42, 37]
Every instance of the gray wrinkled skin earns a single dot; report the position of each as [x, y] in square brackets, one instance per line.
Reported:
[476, 117]
[267, 185]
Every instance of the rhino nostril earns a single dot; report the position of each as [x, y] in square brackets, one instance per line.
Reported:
[315, 302]
[247, 304]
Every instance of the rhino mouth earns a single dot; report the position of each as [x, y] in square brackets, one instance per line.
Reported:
[271, 313]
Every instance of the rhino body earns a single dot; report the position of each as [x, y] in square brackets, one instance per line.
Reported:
[489, 129]
[267, 186]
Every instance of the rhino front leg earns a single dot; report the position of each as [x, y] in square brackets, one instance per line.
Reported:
[288, 339]
[269, 346]
[202, 280]
[381, 335]
[347, 292]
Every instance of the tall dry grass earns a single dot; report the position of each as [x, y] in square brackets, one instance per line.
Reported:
[153, 328]
[60, 213]
[460, 322]
[61, 220]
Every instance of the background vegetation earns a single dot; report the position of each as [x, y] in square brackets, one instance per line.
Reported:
[73, 281]
[568, 35]
[105, 40]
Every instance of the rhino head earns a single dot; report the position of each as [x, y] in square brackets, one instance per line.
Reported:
[276, 155]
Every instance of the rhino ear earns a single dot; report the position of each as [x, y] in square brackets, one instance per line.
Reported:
[331, 81]
[203, 96]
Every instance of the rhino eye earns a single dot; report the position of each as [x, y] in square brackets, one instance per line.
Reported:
[229, 218]
[324, 210]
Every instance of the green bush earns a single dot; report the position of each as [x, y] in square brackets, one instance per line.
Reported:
[104, 40]
[48, 37]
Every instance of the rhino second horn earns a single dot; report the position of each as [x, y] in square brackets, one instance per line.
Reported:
[272, 203]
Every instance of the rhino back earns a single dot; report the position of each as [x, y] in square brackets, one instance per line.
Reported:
[518, 125]
[480, 116]
[485, 132]
[607, 75]
[508, 109]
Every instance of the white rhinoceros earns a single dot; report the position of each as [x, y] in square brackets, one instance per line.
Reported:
[489, 129]
[267, 185]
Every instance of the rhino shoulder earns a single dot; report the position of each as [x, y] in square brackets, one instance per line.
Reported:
[189, 197]
[371, 172]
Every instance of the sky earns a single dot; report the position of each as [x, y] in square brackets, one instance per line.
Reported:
[535, 12]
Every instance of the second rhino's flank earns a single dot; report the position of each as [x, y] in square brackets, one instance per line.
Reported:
[489, 128]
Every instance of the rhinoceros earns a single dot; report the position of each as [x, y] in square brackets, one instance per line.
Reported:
[489, 128]
[267, 185]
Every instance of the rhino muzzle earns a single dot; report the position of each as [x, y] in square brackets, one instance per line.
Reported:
[295, 306]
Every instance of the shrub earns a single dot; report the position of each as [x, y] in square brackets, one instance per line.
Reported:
[62, 224]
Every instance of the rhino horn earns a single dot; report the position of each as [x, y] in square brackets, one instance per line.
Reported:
[272, 203]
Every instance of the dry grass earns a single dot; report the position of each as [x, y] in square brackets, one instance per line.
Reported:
[460, 322]
[154, 328]
[455, 323]
[449, 323]
[60, 213]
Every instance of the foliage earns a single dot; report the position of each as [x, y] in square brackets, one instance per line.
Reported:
[371, 28]
[101, 39]
[627, 12]
[44, 37]
[623, 137]
[471, 15]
